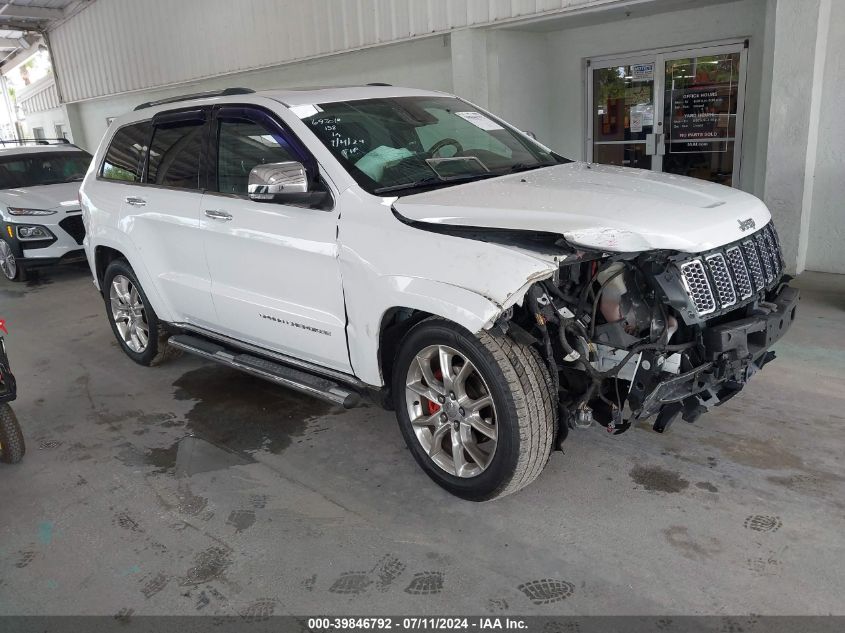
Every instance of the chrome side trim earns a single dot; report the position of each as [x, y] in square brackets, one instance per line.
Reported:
[276, 356]
[334, 394]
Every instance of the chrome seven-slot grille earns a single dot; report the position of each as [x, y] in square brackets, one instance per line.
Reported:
[734, 273]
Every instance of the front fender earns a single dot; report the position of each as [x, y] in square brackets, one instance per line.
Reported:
[464, 307]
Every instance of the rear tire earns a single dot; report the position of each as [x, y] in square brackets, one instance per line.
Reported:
[12, 446]
[138, 331]
[474, 460]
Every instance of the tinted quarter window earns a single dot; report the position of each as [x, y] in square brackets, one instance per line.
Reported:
[125, 156]
[243, 145]
[175, 156]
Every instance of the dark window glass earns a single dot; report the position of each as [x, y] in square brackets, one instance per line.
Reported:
[175, 156]
[125, 156]
[47, 168]
[242, 146]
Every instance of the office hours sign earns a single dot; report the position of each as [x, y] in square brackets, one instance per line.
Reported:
[702, 105]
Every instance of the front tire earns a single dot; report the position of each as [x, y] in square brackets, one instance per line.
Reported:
[11, 268]
[474, 409]
[12, 447]
[136, 327]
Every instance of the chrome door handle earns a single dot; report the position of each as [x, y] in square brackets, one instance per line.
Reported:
[218, 215]
[135, 201]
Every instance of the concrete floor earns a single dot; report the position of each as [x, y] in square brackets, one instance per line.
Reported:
[190, 488]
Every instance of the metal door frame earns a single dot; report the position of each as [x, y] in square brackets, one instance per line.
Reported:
[659, 57]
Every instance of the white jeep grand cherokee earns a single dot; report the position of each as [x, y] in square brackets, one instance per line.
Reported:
[407, 245]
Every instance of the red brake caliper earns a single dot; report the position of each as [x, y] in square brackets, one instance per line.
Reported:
[433, 407]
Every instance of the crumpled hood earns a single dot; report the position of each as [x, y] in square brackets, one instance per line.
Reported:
[598, 206]
[43, 196]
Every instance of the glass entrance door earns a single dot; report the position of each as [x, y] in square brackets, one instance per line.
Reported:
[678, 112]
[623, 110]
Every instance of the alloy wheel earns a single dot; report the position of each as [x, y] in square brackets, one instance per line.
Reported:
[451, 411]
[129, 314]
[7, 260]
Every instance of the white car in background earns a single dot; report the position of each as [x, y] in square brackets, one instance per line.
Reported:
[40, 219]
[408, 244]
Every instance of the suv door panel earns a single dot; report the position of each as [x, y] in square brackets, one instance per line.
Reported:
[275, 278]
[162, 218]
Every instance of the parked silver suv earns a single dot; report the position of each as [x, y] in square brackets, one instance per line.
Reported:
[40, 219]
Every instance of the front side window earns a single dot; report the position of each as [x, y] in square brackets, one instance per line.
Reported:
[125, 156]
[47, 168]
[241, 146]
[406, 143]
[175, 156]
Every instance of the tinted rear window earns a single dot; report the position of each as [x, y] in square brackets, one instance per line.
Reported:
[125, 156]
[175, 156]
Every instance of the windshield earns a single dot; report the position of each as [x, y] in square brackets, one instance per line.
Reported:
[48, 168]
[406, 143]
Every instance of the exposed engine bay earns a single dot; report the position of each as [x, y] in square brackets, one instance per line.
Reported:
[630, 336]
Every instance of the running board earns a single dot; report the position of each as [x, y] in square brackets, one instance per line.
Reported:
[296, 379]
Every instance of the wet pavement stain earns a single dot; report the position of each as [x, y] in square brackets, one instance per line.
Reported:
[241, 519]
[189, 503]
[242, 413]
[679, 537]
[37, 279]
[658, 479]
[756, 453]
[162, 459]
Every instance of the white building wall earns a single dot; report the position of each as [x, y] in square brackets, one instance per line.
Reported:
[115, 46]
[826, 238]
[47, 120]
[521, 73]
[798, 68]
[424, 63]
[42, 109]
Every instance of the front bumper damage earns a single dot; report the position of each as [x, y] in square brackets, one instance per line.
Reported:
[734, 352]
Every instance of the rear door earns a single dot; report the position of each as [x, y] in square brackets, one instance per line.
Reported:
[275, 276]
[163, 214]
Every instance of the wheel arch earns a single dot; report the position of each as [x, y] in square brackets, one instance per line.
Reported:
[418, 299]
[106, 250]
[103, 256]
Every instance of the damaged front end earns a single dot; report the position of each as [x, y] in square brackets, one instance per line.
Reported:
[660, 334]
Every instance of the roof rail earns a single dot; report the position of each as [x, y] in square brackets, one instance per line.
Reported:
[197, 95]
[34, 141]
[379, 83]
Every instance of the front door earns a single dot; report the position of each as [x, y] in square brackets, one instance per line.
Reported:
[275, 279]
[678, 112]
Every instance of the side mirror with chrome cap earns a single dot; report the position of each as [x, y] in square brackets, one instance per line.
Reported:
[285, 183]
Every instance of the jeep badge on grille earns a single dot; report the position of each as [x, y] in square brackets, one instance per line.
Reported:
[744, 225]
